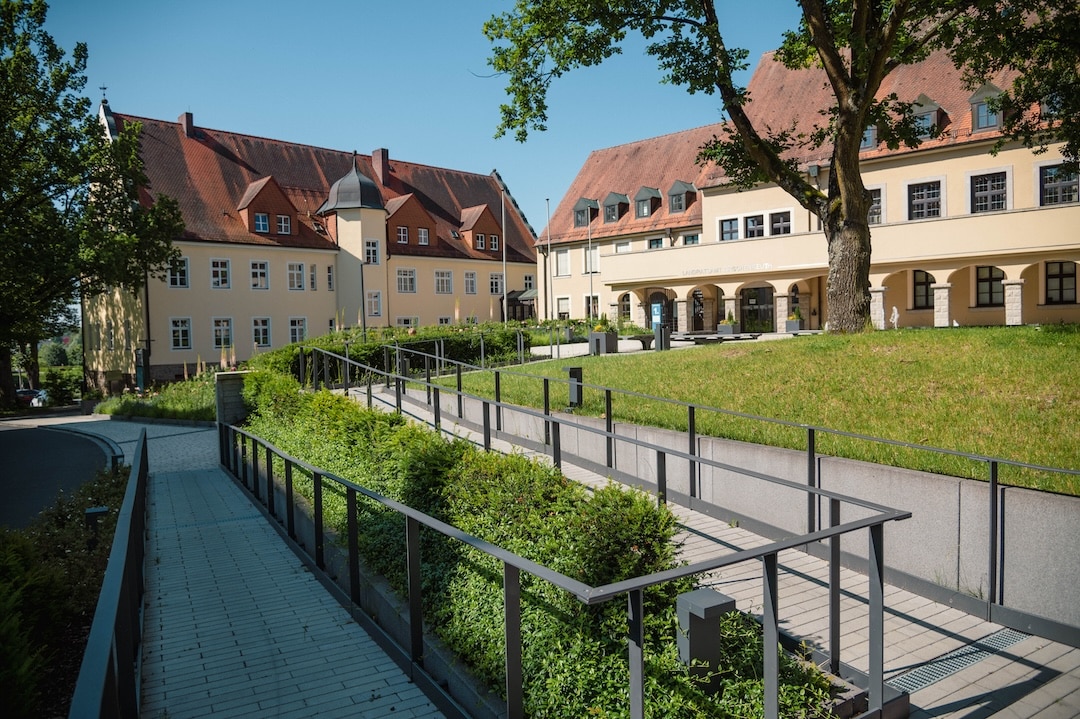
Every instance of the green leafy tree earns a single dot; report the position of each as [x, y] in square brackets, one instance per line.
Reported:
[856, 43]
[54, 354]
[71, 217]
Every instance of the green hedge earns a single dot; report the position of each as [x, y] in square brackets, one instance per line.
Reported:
[574, 656]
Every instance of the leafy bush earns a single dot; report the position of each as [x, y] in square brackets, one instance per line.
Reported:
[60, 387]
[574, 656]
[193, 399]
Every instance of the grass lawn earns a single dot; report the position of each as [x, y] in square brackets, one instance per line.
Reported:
[1011, 393]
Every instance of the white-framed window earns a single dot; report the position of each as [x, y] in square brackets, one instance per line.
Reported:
[926, 199]
[110, 336]
[989, 191]
[530, 282]
[1057, 187]
[644, 207]
[444, 282]
[493, 242]
[374, 303]
[562, 263]
[422, 236]
[260, 275]
[371, 252]
[470, 283]
[296, 275]
[127, 334]
[406, 281]
[260, 331]
[329, 278]
[677, 203]
[219, 274]
[407, 321]
[622, 246]
[284, 225]
[562, 307]
[178, 273]
[729, 229]
[313, 275]
[481, 241]
[402, 235]
[592, 306]
[869, 139]
[495, 282]
[222, 332]
[262, 222]
[780, 223]
[873, 213]
[592, 259]
[446, 320]
[983, 117]
[297, 329]
[691, 239]
[754, 226]
[180, 331]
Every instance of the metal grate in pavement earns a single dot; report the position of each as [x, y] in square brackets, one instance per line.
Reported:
[948, 664]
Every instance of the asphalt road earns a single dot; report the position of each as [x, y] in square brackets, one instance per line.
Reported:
[35, 464]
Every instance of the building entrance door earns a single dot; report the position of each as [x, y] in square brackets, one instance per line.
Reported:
[757, 310]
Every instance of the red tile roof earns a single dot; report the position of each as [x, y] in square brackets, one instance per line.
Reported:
[212, 174]
[780, 98]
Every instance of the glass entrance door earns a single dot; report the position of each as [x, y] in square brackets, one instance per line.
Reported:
[757, 309]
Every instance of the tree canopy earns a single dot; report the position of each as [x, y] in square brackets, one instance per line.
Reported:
[71, 220]
[856, 43]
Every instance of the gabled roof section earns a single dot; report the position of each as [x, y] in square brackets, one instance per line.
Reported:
[470, 216]
[647, 193]
[585, 203]
[681, 188]
[615, 198]
[253, 191]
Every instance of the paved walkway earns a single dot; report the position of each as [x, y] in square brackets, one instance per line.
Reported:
[234, 623]
[952, 664]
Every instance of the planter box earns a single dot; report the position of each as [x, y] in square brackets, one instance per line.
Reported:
[793, 325]
[725, 329]
[603, 343]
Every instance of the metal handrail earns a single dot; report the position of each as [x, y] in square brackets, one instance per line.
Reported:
[108, 684]
[236, 460]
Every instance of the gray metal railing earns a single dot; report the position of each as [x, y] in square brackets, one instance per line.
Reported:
[239, 461]
[108, 684]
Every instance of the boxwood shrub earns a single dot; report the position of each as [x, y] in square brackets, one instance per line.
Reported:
[575, 656]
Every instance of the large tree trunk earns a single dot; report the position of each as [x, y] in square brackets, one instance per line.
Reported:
[848, 288]
[7, 381]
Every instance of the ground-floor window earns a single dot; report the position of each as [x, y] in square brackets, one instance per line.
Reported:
[1060, 283]
[624, 306]
[181, 333]
[922, 290]
[563, 307]
[297, 329]
[374, 303]
[989, 290]
[222, 332]
[260, 331]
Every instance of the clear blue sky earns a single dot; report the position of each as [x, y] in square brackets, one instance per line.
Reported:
[358, 75]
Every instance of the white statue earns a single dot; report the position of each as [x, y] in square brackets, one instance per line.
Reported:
[895, 317]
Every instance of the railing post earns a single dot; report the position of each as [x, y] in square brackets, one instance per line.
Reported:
[811, 478]
[487, 426]
[993, 522]
[290, 516]
[460, 397]
[635, 645]
[498, 401]
[255, 469]
[436, 407]
[427, 377]
[386, 364]
[609, 422]
[416, 607]
[771, 636]
[515, 698]
[369, 399]
[834, 589]
[876, 659]
[556, 445]
[397, 392]
[243, 461]
[270, 482]
[661, 477]
[547, 411]
[354, 549]
[316, 484]
[691, 424]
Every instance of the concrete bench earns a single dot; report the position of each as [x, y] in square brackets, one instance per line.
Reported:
[645, 340]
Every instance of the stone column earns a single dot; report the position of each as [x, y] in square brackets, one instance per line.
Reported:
[682, 314]
[781, 309]
[1014, 302]
[877, 307]
[942, 310]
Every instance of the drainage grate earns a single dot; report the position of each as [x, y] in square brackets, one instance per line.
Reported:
[947, 664]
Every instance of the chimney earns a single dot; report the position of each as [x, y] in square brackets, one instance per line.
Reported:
[380, 161]
[187, 121]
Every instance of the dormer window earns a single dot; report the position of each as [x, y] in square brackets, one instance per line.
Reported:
[680, 196]
[614, 206]
[928, 117]
[646, 201]
[262, 222]
[584, 211]
[983, 117]
[481, 242]
[284, 225]
[869, 139]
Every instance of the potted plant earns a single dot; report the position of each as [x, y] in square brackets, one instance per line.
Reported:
[89, 400]
[603, 339]
[794, 321]
[728, 325]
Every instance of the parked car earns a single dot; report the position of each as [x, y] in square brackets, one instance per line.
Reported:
[26, 397]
